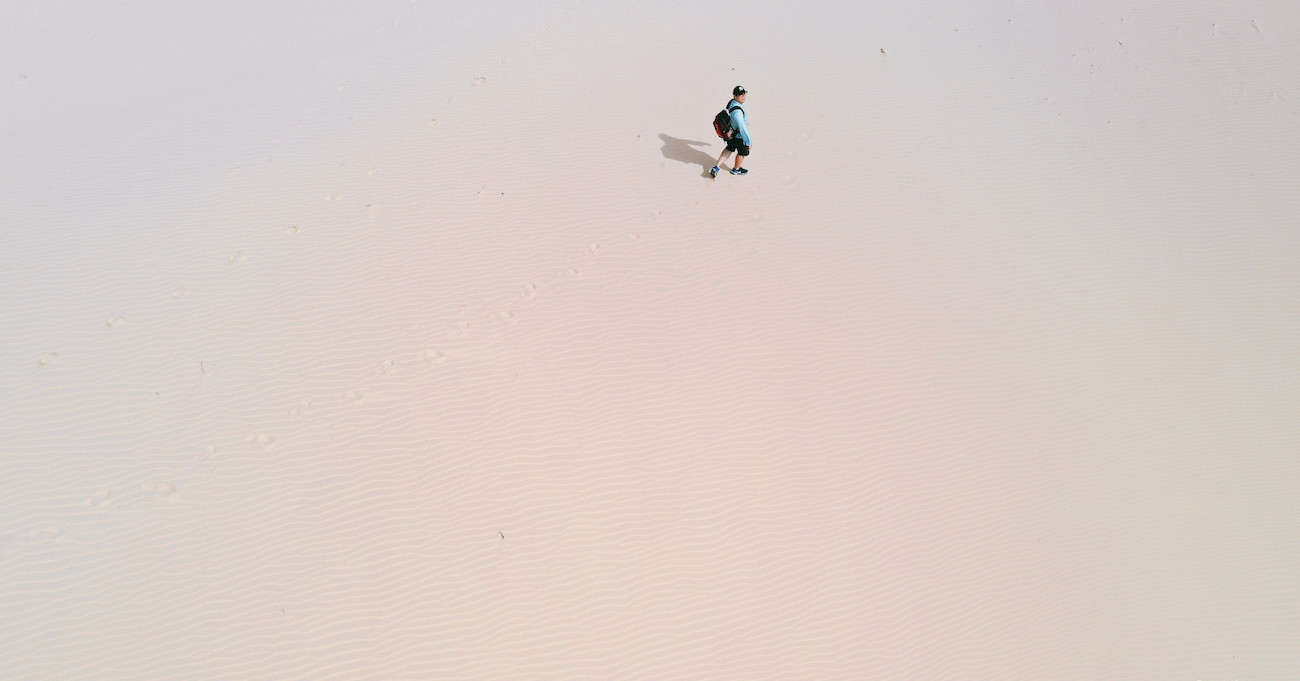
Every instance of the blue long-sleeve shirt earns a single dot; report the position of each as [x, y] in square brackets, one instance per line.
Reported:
[738, 116]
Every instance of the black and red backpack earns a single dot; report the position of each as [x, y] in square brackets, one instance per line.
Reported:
[722, 122]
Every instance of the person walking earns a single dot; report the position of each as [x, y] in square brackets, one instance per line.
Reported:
[739, 141]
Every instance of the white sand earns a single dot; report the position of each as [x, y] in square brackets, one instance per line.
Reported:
[410, 342]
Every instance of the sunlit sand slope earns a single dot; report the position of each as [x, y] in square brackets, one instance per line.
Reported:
[445, 359]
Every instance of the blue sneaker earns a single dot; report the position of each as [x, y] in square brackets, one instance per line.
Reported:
[713, 172]
[738, 171]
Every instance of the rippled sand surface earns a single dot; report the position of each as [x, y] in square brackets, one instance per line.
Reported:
[412, 341]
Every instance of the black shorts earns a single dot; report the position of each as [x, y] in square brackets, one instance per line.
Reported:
[738, 145]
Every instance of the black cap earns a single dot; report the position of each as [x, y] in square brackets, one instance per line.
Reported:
[737, 91]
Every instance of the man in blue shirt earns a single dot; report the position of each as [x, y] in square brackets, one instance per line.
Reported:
[739, 142]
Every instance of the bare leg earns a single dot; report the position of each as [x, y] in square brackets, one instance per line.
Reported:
[739, 161]
[723, 157]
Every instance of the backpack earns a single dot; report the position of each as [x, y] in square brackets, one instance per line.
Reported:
[722, 123]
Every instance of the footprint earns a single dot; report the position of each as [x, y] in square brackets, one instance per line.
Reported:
[46, 359]
[591, 250]
[166, 487]
[385, 366]
[634, 237]
[480, 80]
[431, 356]
[266, 440]
[236, 256]
[331, 197]
[373, 171]
[180, 293]
[206, 454]
[352, 395]
[530, 290]
[433, 121]
[301, 409]
[160, 490]
[115, 321]
[462, 328]
[98, 498]
[147, 492]
[293, 230]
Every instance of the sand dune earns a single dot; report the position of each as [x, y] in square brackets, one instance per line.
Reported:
[413, 342]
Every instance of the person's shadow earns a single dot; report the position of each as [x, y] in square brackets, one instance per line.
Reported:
[684, 151]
